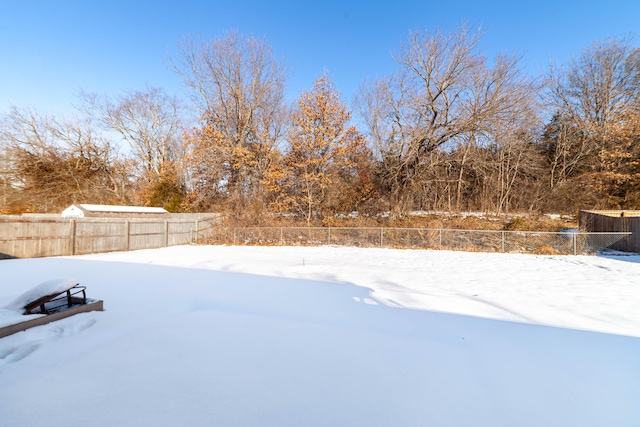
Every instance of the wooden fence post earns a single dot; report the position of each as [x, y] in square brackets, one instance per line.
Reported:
[72, 236]
[127, 233]
[197, 225]
[166, 233]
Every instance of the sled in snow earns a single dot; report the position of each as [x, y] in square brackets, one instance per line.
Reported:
[45, 303]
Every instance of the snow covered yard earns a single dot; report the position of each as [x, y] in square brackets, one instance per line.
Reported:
[284, 336]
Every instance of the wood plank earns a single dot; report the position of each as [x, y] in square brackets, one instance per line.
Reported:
[23, 326]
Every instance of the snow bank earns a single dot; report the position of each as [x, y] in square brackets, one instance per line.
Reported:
[580, 292]
[192, 342]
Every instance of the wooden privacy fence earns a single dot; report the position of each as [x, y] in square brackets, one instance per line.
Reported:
[27, 238]
[616, 222]
[30, 238]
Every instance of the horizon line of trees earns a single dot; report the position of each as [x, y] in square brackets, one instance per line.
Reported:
[449, 129]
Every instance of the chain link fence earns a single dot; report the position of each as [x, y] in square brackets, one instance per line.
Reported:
[543, 243]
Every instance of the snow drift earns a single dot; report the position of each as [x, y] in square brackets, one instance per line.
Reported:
[205, 345]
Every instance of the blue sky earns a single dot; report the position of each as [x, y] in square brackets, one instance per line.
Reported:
[49, 50]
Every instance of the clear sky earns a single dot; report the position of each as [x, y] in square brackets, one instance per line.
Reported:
[49, 50]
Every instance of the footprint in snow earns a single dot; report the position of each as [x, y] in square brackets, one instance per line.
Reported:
[16, 353]
[54, 330]
[35, 337]
[366, 301]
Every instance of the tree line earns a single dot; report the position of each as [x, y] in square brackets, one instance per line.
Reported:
[449, 129]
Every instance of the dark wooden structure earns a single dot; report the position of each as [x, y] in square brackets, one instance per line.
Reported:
[52, 300]
[59, 301]
[623, 221]
[91, 305]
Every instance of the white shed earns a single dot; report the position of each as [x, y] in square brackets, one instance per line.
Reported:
[108, 211]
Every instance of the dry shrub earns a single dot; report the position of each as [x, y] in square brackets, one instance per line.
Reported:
[524, 222]
[14, 209]
[517, 223]
[475, 223]
[538, 223]
[445, 221]
[410, 221]
[545, 250]
[350, 221]
[261, 219]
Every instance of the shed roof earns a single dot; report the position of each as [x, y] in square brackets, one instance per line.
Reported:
[89, 210]
[121, 209]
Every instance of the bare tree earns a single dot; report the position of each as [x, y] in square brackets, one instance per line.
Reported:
[238, 86]
[53, 162]
[595, 88]
[149, 122]
[593, 100]
[427, 119]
